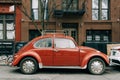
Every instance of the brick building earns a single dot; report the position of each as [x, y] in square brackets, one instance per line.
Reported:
[84, 20]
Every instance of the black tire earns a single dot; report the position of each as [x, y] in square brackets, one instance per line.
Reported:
[28, 65]
[96, 66]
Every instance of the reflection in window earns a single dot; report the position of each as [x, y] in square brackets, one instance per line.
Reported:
[1, 26]
[1, 34]
[100, 9]
[64, 43]
[104, 15]
[36, 12]
[43, 43]
[95, 4]
[95, 14]
[10, 34]
[10, 26]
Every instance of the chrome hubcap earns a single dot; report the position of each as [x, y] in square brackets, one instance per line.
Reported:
[97, 67]
[28, 66]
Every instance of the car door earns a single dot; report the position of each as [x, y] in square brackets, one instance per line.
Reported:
[44, 48]
[65, 52]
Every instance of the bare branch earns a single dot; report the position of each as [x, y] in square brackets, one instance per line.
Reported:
[24, 11]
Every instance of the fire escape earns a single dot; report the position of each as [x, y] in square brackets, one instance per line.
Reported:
[60, 13]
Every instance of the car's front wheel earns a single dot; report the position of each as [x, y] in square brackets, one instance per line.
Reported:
[28, 65]
[96, 66]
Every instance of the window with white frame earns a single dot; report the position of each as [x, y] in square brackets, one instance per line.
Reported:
[7, 31]
[38, 7]
[100, 9]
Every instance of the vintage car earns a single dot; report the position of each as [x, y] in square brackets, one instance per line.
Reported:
[115, 56]
[56, 50]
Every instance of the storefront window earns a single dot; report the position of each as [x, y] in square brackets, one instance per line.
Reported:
[98, 36]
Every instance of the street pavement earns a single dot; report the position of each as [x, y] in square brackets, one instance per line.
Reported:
[13, 73]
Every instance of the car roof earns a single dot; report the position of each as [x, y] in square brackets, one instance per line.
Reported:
[52, 35]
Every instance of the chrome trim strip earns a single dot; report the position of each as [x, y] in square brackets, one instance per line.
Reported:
[40, 65]
[66, 67]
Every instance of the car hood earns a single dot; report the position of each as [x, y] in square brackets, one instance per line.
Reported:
[89, 49]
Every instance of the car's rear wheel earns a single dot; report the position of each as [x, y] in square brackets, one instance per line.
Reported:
[96, 66]
[28, 65]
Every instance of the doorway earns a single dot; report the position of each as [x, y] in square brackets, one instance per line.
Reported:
[71, 29]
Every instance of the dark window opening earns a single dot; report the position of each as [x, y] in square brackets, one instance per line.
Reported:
[98, 36]
[33, 34]
[71, 29]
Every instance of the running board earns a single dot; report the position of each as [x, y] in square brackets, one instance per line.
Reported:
[65, 67]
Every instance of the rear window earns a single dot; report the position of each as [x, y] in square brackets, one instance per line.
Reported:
[43, 43]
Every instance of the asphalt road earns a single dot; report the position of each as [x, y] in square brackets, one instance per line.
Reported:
[12, 73]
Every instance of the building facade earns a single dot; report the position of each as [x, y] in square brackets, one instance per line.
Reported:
[10, 26]
[84, 20]
[10, 20]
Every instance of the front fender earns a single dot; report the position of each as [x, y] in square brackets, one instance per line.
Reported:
[19, 57]
[89, 56]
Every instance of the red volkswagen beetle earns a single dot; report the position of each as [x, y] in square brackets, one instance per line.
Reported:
[58, 51]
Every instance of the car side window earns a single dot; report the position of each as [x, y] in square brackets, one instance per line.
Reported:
[63, 43]
[43, 43]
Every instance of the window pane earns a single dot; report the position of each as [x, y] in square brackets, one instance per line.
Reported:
[97, 38]
[98, 35]
[43, 43]
[34, 3]
[94, 14]
[35, 14]
[10, 34]
[105, 38]
[1, 34]
[11, 17]
[10, 26]
[64, 43]
[1, 17]
[104, 15]
[1, 26]
[36, 9]
[104, 3]
[100, 9]
[95, 4]
[89, 38]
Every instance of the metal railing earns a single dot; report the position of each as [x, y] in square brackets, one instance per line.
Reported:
[6, 47]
